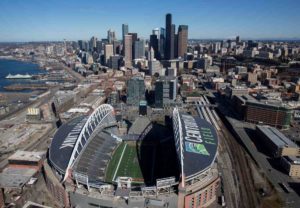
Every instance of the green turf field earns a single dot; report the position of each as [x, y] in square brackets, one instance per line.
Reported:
[128, 166]
[114, 162]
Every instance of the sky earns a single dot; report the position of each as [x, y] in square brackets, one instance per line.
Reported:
[52, 20]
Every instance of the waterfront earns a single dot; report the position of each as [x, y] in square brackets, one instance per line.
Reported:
[16, 67]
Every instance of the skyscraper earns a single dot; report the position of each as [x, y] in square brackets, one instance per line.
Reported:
[81, 44]
[173, 39]
[156, 31]
[115, 61]
[108, 52]
[124, 31]
[162, 41]
[154, 44]
[182, 39]
[175, 45]
[128, 50]
[170, 30]
[116, 45]
[111, 36]
[237, 40]
[134, 38]
[151, 54]
[93, 43]
[165, 91]
[99, 46]
[139, 49]
[135, 90]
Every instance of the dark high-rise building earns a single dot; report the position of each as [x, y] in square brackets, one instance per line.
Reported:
[99, 46]
[237, 40]
[252, 44]
[170, 30]
[93, 43]
[124, 31]
[115, 61]
[162, 41]
[227, 63]
[116, 45]
[135, 91]
[81, 44]
[139, 49]
[154, 44]
[182, 39]
[111, 36]
[134, 38]
[172, 52]
[165, 91]
[175, 45]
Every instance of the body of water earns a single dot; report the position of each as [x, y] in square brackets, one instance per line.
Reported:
[16, 67]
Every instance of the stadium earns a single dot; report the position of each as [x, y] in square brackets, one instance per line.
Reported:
[89, 153]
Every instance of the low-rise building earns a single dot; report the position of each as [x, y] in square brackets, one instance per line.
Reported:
[292, 165]
[33, 114]
[27, 159]
[275, 114]
[231, 91]
[278, 144]
[265, 55]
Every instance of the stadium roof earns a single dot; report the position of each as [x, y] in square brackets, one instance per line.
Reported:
[199, 142]
[63, 142]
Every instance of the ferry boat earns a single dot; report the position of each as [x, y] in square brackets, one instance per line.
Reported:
[18, 76]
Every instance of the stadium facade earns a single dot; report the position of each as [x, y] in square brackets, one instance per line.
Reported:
[83, 150]
[196, 143]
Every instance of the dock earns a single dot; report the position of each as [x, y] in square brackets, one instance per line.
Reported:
[19, 87]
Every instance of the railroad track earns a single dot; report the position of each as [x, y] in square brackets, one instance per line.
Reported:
[248, 196]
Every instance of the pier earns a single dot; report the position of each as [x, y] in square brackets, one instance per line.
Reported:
[19, 87]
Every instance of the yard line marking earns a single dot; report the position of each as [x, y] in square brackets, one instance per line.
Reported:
[119, 162]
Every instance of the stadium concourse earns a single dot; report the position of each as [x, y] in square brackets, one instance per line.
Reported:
[89, 153]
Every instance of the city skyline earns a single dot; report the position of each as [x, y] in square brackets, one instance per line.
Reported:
[29, 21]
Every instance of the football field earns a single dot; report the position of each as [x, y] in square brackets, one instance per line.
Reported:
[124, 162]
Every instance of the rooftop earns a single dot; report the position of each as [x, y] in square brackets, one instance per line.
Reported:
[293, 160]
[33, 111]
[27, 156]
[16, 177]
[276, 136]
[266, 101]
